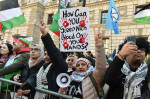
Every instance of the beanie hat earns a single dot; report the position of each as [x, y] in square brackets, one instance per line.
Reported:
[10, 49]
[83, 59]
[26, 41]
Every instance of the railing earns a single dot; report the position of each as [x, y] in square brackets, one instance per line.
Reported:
[37, 89]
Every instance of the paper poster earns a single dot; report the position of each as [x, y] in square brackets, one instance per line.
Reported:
[74, 30]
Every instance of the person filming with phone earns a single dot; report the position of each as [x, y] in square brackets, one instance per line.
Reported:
[127, 74]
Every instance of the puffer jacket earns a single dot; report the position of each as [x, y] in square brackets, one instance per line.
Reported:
[88, 89]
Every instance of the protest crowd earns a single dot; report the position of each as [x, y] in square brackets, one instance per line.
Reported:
[121, 75]
[69, 69]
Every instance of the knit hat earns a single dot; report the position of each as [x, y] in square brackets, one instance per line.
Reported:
[10, 49]
[26, 41]
[83, 59]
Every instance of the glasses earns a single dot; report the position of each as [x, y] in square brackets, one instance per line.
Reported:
[35, 49]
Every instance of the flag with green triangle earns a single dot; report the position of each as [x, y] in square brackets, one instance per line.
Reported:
[143, 15]
[55, 25]
[10, 14]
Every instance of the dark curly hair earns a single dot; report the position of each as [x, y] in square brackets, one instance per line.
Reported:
[140, 42]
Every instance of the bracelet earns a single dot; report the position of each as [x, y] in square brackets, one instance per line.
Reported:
[124, 58]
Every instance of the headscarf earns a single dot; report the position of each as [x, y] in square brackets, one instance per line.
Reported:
[35, 62]
[83, 59]
[78, 77]
[71, 56]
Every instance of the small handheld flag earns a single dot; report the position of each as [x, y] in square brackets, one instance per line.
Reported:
[112, 18]
[143, 15]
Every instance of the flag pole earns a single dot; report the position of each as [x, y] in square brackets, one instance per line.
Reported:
[84, 2]
[111, 41]
[59, 7]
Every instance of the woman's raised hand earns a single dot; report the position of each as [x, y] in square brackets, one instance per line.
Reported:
[97, 36]
[42, 26]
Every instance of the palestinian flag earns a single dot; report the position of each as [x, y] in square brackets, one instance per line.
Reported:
[143, 15]
[10, 14]
[55, 25]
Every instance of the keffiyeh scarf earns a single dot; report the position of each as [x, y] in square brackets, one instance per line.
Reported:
[78, 77]
[132, 86]
[41, 76]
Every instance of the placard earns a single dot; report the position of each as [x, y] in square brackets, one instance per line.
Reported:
[74, 30]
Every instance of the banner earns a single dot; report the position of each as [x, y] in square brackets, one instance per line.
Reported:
[74, 30]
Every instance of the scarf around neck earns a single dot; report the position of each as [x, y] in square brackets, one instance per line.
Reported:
[41, 76]
[36, 61]
[132, 86]
[78, 77]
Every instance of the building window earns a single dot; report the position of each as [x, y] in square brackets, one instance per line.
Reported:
[80, 0]
[103, 17]
[50, 19]
[138, 8]
[106, 44]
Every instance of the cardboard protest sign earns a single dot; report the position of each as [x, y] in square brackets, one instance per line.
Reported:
[74, 30]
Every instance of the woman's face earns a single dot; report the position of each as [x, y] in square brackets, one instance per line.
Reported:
[4, 49]
[81, 67]
[70, 62]
[34, 52]
[46, 58]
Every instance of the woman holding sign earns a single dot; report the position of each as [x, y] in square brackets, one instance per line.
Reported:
[86, 84]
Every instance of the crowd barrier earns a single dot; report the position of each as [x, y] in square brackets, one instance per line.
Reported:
[48, 92]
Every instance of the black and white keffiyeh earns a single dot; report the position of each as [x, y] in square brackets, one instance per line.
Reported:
[133, 80]
[78, 77]
[41, 76]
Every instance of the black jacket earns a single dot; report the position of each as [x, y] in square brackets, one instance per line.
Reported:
[27, 75]
[28, 72]
[59, 64]
[115, 79]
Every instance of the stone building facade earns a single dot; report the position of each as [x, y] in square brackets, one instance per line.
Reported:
[35, 10]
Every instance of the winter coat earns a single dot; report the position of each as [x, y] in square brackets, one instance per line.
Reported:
[59, 65]
[28, 72]
[88, 89]
[15, 67]
[115, 79]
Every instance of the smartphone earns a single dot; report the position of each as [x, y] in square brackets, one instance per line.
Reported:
[131, 39]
